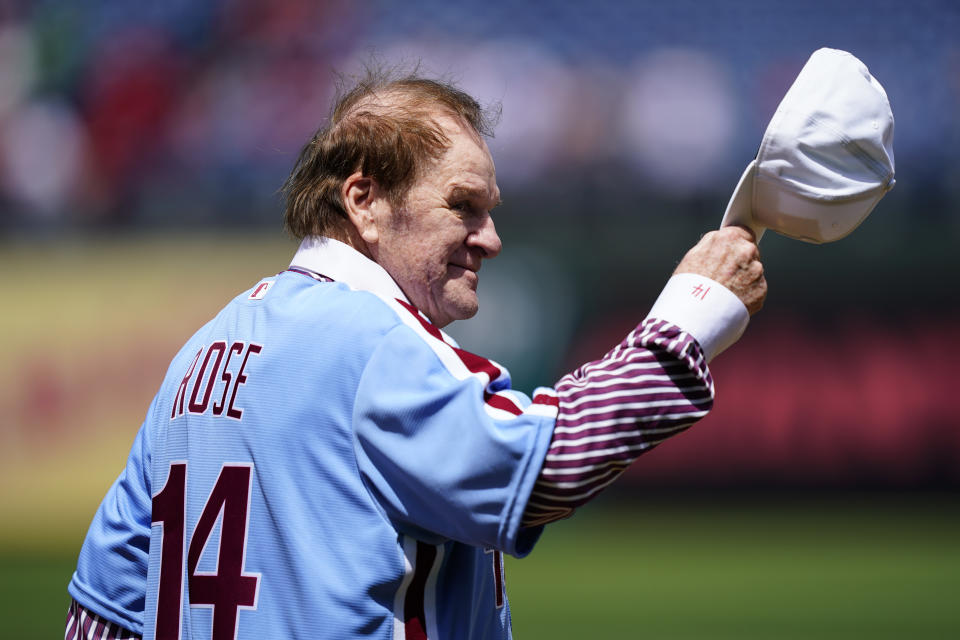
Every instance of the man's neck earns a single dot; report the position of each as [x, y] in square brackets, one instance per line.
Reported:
[348, 235]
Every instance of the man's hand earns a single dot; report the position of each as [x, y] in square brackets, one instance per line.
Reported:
[731, 257]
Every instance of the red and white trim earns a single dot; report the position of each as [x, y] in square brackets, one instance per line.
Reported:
[341, 263]
[499, 402]
[415, 605]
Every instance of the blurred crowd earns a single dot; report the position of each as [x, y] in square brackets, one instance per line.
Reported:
[113, 109]
[121, 113]
[188, 114]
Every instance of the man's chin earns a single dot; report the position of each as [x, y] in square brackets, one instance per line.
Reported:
[459, 310]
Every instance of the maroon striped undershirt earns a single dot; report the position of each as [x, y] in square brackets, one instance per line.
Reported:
[652, 386]
[83, 624]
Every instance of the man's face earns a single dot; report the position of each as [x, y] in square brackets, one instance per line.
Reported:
[434, 243]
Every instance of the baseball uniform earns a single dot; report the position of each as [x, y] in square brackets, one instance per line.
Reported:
[322, 462]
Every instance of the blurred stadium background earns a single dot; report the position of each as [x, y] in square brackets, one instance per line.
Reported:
[141, 150]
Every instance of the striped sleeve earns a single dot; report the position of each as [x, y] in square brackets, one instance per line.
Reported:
[650, 387]
[83, 624]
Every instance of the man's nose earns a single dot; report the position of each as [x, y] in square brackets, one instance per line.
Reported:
[486, 238]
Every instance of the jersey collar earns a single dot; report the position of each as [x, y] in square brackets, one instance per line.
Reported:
[343, 263]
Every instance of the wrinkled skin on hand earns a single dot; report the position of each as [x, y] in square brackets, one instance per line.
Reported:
[731, 257]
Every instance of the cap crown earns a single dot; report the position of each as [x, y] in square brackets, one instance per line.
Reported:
[826, 157]
[832, 135]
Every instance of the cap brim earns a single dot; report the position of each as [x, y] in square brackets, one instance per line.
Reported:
[740, 208]
[782, 210]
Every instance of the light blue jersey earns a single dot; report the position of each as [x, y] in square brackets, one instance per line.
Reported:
[320, 462]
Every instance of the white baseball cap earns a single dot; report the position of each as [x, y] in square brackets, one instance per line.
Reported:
[826, 158]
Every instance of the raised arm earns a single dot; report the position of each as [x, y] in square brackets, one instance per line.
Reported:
[656, 382]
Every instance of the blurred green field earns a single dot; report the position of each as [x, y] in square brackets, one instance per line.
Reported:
[882, 566]
[844, 567]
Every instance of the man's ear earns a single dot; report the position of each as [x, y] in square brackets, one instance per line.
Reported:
[361, 197]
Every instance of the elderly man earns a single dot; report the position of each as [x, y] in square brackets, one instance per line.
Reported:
[322, 461]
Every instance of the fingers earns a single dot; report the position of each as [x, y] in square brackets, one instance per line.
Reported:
[745, 251]
[739, 230]
[731, 257]
[756, 292]
[750, 232]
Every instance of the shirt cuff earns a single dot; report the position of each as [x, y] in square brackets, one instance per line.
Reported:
[704, 308]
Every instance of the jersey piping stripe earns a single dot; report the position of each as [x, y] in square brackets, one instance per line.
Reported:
[414, 615]
[408, 552]
[415, 618]
[546, 399]
[487, 370]
[463, 364]
[501, 402]
[319, 277]
[430, 593]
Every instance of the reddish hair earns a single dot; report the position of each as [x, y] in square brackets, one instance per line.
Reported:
[384, 127]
